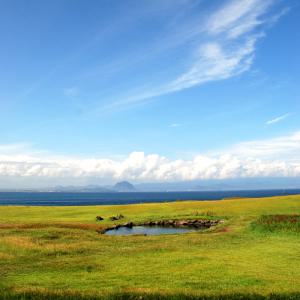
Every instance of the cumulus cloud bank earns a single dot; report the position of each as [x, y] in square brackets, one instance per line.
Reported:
[273, 157]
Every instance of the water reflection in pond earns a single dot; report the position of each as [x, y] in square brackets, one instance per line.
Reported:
[145, 230]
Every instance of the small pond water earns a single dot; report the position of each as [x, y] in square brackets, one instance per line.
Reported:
[145, 230]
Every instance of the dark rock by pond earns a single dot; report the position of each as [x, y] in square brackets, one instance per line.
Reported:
[182, 223]
[129, 225]
[115, 218]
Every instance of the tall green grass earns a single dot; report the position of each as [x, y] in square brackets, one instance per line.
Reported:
[278, 223]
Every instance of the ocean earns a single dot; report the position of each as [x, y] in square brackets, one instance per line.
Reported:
[72, 199]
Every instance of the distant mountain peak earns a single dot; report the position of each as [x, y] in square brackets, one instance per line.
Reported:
[124, 186]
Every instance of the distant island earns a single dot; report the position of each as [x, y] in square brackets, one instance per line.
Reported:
[124, 186]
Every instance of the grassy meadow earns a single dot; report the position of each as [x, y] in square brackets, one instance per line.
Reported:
[57, 253]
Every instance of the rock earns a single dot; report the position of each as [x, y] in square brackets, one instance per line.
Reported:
[101, 231]
[129, 225]
[182, 223]
[99, 218]
[115, 218]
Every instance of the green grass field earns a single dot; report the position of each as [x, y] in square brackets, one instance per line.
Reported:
[56, 252]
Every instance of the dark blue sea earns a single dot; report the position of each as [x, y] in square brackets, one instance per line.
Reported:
[64, 199]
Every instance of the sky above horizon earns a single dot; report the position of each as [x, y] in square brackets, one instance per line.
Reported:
[161, 90]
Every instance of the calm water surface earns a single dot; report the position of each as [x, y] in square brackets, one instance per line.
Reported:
[147, 230]
[63, 199]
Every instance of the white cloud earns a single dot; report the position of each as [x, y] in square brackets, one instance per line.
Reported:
[225, 46]
[277, 119]
[272, 157]
[233, 31]
[238, 17]
[174, 125]
[10, 148]
[216, 63]
[283, 148]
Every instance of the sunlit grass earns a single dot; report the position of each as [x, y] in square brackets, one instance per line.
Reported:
[57, 250]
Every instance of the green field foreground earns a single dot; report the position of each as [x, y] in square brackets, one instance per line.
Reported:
[57, 253]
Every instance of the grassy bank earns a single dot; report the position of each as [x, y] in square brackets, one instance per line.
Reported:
[57, 251]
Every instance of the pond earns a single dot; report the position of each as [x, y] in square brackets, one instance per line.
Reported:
[147, 230]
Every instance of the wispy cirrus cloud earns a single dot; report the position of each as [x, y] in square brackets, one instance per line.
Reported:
[225, 44]
[237, 18]
[277, 119]
[232, 33]
[215, 63]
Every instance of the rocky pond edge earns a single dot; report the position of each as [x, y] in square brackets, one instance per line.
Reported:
[195, 223]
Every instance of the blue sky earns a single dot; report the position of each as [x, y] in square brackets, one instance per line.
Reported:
[139, 90]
